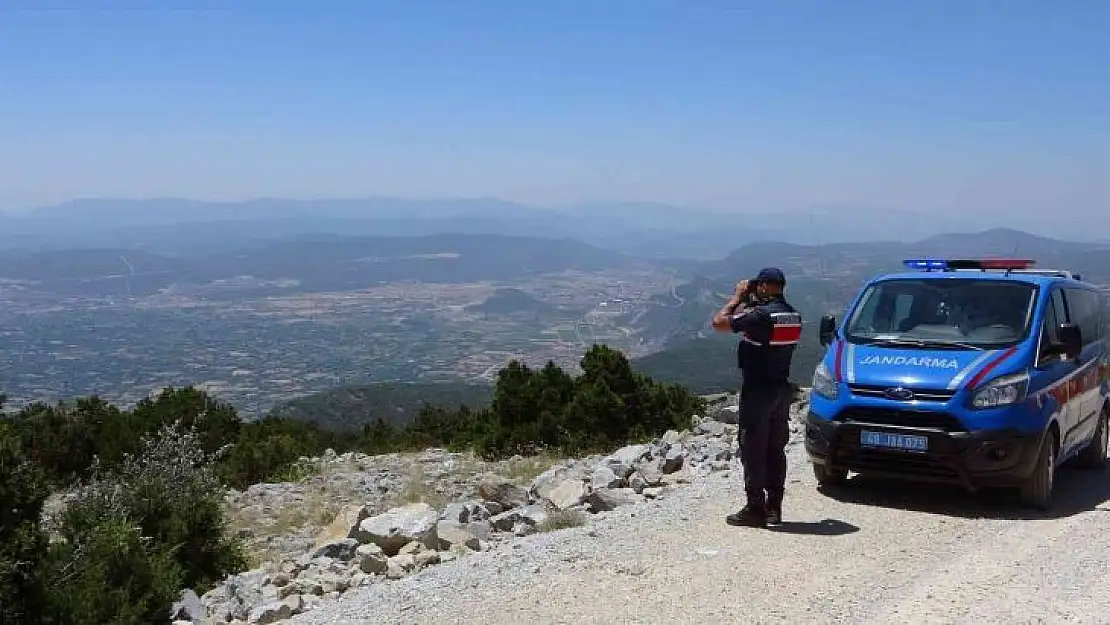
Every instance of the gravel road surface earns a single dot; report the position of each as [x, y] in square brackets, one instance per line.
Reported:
[870, 553]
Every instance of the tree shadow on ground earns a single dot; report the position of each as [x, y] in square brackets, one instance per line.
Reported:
[1076, 491]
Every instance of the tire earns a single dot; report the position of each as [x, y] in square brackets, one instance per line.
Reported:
[829, 477]
[1036, 492]
[1093, 455]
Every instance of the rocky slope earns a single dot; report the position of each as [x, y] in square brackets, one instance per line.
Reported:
[389, 517]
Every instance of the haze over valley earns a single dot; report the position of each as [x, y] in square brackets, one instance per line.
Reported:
[263, 322]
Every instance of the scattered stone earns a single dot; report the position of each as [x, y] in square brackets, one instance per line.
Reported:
[399, 566]
[710, 428]
[358, 548]
[342, 550]
[371, 559]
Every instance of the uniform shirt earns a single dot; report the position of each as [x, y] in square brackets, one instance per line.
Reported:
[769, 332]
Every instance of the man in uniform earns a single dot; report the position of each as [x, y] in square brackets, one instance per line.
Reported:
[769, 330]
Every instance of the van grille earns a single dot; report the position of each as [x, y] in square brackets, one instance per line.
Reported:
[869, 390]
[903, 418]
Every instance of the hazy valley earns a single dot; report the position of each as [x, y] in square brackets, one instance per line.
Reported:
[265, 323]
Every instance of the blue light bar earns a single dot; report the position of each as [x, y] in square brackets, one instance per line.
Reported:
[926, 264]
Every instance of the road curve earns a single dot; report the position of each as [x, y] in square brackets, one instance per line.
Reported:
[871, 553]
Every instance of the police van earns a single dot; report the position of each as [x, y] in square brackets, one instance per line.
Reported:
[981, 373]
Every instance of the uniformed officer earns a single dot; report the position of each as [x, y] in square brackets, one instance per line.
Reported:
[769, 330]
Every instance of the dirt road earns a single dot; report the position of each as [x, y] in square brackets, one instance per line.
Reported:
[873, 553]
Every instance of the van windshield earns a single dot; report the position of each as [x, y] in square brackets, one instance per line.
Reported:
[956, 313]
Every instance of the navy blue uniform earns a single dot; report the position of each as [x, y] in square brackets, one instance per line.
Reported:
[769, 333]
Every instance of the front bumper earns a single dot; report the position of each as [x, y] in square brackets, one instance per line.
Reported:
[974, 460]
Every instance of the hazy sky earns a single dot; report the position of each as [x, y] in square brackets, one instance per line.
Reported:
[940, 104]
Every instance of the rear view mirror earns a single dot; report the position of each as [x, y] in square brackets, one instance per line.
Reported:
[827, 329]
[1071, 340]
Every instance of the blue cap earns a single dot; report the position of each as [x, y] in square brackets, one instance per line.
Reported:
[773, 275]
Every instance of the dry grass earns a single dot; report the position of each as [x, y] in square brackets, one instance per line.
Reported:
[561, 520]
[417, 490]
[522, 471]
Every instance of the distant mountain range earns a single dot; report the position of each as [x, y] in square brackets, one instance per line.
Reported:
[188, 227]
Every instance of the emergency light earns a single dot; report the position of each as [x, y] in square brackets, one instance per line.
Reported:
[937, 264]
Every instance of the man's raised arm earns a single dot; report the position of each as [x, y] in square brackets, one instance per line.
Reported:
[727, 318]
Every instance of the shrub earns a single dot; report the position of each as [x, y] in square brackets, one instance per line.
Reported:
[171, 495]
[22, 541]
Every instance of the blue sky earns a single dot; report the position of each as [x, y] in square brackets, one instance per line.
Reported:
[942, 105]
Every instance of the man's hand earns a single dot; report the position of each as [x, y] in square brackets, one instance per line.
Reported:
[721, 321]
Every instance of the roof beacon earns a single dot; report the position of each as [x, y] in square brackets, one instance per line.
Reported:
[983, 264]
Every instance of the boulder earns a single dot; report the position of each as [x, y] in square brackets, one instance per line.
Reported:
[604, 477]
[400, 565]
[550, 479]
[673, 460]
[609, 499]
[531, 515]
[504, 492]
[344, 525]
[623, 461]
[187, 608]
[470, 535]
[371, 559]
[569, 494]
[398, 527]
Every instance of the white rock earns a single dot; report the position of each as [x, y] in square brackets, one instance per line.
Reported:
[470, 535]
[604, 477]
[371, 559]
[609, 499]
[398, 527]
[569, 494]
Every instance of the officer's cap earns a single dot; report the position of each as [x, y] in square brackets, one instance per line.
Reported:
[772, 275]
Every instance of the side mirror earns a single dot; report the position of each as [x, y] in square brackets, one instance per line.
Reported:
[1071, 340]
[827, 329]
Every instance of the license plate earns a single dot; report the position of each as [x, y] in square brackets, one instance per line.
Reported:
[906, 442]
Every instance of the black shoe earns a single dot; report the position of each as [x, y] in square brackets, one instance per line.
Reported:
[774, 516]
[774, 508]
[748, 517]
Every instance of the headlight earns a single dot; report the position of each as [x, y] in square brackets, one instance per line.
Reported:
[823, 383]
[1004, 391]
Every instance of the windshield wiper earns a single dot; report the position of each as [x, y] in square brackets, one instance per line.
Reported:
[924, 344]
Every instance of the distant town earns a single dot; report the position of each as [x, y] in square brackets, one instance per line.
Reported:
[258, 352]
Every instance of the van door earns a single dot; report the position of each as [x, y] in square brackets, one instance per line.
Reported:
[1083, 310]
[1053, 371]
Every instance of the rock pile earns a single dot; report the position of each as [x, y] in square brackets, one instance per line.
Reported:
[360, 547]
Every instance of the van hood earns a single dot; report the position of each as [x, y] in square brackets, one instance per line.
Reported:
[914, 368]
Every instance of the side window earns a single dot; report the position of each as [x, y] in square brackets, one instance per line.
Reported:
[1084, 307]
[1054, 315]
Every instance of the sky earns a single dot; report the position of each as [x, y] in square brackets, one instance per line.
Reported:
[941, 105]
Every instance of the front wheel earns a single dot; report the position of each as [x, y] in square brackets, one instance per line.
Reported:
[1037, 489]
[829, 477]
[1093, 455]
